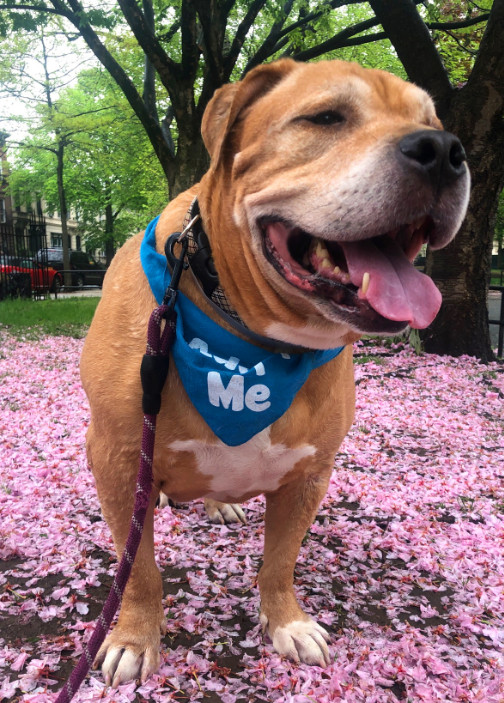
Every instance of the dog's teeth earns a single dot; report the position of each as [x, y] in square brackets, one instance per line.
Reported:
[321, 250]
[418, 224]
[365, 283]
[326, 264]
[336, 270]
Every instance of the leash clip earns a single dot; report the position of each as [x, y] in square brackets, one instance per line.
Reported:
[178, 264]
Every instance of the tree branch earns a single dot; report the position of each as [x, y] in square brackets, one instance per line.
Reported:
[471, 52]
[189, 39]
[165, 126]
[315, 15]
[213, 25]
[337, 41]
[163, 64]
[489, 65]
[170, 33]
[427, 72]
[242, 31]
[32, 8]
[27, 145]
[149, 81]
[276, 38]
[331, 45]
[462, 24]
[87, 112]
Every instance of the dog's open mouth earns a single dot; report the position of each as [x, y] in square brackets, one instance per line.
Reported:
[375, 274]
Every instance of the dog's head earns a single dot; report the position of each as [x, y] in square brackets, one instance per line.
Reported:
[338, 175]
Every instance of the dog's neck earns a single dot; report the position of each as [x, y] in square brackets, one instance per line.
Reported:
[199, 254]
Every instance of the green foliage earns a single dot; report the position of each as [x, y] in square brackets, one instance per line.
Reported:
[111, 166]
[457, 48]
[112, 178]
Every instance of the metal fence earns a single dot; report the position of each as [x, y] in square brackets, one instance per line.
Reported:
[500, 321]
[20, 272]
[78, 281]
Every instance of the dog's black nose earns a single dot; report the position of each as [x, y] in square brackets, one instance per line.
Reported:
[440, 155]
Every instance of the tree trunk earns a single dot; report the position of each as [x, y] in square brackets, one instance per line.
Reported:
[109, 234]
[462, 270]
[67, 276]
[474, 113]
[191, 161]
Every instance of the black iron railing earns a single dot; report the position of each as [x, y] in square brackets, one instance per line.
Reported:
[500, 321]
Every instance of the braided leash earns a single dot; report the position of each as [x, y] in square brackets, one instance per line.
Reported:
[153, 372]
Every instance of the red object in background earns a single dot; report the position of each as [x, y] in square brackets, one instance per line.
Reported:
[41, 277]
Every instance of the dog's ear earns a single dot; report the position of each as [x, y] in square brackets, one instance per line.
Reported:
[228, 101]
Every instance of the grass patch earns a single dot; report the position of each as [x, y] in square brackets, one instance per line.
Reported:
[366, 358]
[32, 319]
[497, 277]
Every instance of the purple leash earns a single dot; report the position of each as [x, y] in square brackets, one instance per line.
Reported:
[153, 372]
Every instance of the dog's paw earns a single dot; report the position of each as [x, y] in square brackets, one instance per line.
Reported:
[302, 641]
[163, 501]
[124, 657]
[223, 513]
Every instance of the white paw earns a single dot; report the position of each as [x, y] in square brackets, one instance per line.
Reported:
[163, 500]
[223, 513]
[302, 641]
[121, 665]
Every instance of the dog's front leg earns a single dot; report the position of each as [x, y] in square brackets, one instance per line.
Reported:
[131, 650]
[289, 513]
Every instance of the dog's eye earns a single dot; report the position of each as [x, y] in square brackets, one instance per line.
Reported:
[326, 118]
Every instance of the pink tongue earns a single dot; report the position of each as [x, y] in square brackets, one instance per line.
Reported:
[396, 289]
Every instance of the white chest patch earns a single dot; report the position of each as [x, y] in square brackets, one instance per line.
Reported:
[257, 466]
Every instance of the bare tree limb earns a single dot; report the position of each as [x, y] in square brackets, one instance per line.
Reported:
[165, 126]
[272, 40]
[149, 81]
[489, 65]
[457, 41]
[213, 26]
[462, 24]
[163, 64]
[337, 41]
[32, 8]
[189, 37]
[170, 33]
[341, 44]
[242, 31]
[315, 15]
[429, 72]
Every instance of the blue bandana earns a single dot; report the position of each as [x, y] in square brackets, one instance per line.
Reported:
[237, 387]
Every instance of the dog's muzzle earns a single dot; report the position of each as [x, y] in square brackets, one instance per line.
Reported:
[372, 281]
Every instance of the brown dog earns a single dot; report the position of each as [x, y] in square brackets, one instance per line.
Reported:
[325, 181]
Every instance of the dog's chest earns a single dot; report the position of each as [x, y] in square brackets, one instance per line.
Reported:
[257, 466]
